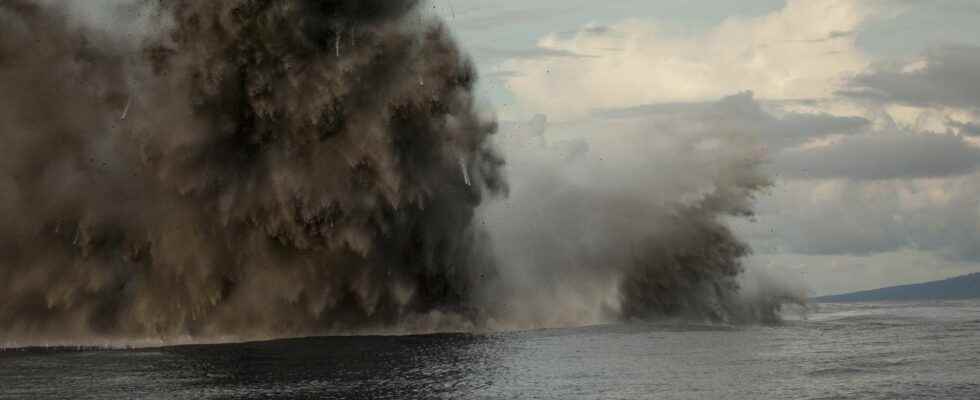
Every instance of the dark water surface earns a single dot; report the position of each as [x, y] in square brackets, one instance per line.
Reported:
[842, 351]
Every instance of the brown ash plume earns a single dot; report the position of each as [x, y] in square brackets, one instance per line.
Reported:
[255, 168]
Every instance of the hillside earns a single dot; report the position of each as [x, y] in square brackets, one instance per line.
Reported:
[961, 287]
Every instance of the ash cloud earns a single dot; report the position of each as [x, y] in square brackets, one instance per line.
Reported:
[254, 169]
[261, 167]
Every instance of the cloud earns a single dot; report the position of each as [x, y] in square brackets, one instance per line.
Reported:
[847, 217]
[908, 185]
[882, 156]
[774, 55]
[488, 54]
[742, 114]
[946, 76]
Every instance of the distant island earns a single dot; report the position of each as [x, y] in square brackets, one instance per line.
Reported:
[961, 287]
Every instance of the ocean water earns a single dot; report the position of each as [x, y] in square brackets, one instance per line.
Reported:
[926, 350]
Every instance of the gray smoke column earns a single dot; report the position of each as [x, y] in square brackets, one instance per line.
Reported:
[242, 167]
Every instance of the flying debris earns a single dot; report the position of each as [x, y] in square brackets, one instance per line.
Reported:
[462, 168]
[125, 112]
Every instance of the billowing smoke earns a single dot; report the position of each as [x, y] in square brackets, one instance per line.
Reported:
[617, 218]
[254, 168]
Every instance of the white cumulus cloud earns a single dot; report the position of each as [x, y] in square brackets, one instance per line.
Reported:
[804, 50]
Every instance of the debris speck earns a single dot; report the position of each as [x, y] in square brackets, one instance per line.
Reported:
[337, 44]
[129, 102]
[466, 174]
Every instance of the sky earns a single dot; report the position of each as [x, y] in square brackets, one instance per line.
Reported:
[868, 110]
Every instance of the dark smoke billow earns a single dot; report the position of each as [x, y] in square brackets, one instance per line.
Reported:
[261, 167]
[248, 169]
